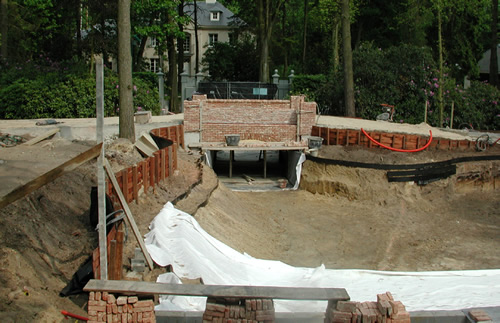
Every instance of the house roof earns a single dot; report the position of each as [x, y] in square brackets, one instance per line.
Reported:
[484, 63]
[226, 16]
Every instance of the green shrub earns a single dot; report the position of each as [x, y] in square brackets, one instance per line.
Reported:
[48, 95]
[307, 85]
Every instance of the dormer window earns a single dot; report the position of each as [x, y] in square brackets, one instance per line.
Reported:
[214, 16]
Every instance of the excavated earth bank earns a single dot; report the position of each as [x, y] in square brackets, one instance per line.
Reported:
[342, 217]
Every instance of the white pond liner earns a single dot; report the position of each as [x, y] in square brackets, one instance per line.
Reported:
[176, 239]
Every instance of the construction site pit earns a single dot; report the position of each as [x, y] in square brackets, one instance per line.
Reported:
[342, 217]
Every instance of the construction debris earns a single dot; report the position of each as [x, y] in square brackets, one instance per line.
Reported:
[7, 140]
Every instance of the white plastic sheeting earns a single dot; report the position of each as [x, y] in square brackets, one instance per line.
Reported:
[177, 239]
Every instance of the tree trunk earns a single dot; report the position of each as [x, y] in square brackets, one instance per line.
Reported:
[266, 17]
[140, 53]
[304, 37]
[285, 43]
[335, 47]
[172, 73]
[347, 52]
[196, 41]
[494, 45]
[180, 46]
[441, 75]
[126, 128]
[78, 26]
[4, 29]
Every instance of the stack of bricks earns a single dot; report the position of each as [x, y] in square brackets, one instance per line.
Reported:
[226, 310]
[384, 310]
[104, 307]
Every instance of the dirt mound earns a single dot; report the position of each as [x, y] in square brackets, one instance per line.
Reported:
[47, 235]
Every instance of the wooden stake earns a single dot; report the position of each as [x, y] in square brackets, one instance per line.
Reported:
[101, 177]
[452, 111]
[128, 213]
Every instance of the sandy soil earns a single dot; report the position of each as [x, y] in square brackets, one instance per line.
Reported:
[363, 222]
[354, 218]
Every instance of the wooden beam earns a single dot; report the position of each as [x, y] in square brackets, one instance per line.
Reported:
[290, 293]
[128, 213]
[50, 176]
[42, 137]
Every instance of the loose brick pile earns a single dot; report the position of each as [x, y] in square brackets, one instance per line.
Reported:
[224, 310]
[384, 310]
[104, 307]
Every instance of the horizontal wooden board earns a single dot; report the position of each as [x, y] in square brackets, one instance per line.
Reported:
[290, 293]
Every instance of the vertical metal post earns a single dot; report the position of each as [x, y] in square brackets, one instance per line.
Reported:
[231, 157]
[265, 163]
[161, 89]
[101, 180]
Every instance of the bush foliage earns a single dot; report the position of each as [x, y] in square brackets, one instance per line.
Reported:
[407, 77]
[37, 90]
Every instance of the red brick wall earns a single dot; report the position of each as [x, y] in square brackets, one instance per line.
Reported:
[266, 120]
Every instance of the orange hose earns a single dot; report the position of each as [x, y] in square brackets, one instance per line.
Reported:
[75, 316]
[396, 149]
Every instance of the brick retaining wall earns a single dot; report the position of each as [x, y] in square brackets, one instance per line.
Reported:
[354, 137]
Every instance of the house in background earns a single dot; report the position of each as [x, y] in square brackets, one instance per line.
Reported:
[484, 64]
[214, 25]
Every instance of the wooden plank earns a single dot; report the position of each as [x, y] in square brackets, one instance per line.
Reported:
[337, 138]
[170, 160]
[268, 292]
[135, 188]
[328, 136]
[145, 175]
[101, 176]
[146, 146]
[50, 176]
[128, 213]
[125, 183]
[43, 136]
[112, 253]
[163, 164]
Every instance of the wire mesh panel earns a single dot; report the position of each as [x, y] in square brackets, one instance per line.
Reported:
[238, 90]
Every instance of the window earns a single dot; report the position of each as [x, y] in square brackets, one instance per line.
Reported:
[214, 16]
[187, 44]
[153, 42]
[212, 39]
[154, 65]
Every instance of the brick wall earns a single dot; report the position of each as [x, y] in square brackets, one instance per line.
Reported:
[105, 307]
[265, 120]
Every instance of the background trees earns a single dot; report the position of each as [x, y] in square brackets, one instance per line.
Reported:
[303, 35]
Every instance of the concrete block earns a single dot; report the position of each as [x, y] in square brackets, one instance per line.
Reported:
[143, 117]
[438, 317]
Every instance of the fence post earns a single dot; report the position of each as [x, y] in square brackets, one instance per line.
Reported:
[161, 88]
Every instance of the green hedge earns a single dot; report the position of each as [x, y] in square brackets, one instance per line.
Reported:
[44, 93]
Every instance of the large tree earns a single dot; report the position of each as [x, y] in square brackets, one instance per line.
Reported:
[494, 44]
[4, 28]
[267, 15]
[347, 56]
[126, 128]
